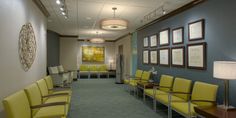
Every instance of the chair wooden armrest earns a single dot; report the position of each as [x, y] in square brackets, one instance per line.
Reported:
[58, 94]
[157, 87]
[171, 92]
[60, 88]
[213, 102]
[47, 105]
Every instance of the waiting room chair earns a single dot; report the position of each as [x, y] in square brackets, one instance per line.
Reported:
[144, 78]
[35, 98]
[59, 79]
[164, 86]
[203, 94]
[18, 105]
[56, 90]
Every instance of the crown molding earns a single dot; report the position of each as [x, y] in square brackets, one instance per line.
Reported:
[41, 7]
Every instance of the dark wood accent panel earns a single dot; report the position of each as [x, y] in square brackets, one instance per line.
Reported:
[215, 112]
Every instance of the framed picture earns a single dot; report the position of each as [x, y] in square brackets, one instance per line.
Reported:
[196, 56]
[145, 42]
[164, 56]
[164, 37]
[153, 56]
[153, 41]
[196, 30]
[145, 57]
[93, 54]
[178, 56]
[178, 35]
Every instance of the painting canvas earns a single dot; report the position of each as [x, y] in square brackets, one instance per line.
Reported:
[93, 54]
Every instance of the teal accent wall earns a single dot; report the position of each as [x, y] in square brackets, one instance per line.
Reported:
[134, 58]
[220, 37]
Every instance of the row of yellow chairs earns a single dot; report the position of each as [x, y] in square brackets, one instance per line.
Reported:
[180, 94]
[141, 77]
[39, 100]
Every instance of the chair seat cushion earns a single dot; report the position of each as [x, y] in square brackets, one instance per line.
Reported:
[61, 91]
[57, 99]
[150, 92]
[163, 98]
[52, 111]
[182, 107]
[133, 83]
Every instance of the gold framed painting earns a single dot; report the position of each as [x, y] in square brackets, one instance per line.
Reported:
[93, 54]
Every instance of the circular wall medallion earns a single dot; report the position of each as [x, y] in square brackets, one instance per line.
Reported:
[27, 46]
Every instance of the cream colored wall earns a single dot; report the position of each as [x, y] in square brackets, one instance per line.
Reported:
[68, 53]
[109, 52]
[14, 14]
[126, 42]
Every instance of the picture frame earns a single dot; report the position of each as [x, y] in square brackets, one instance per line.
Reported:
[196, 56]
[145, 42]
[145, 56]
[164, 57]
[178, 36]
[153, 40]
[153, 57]
[178, 56]
[164, 37]
[196, 30]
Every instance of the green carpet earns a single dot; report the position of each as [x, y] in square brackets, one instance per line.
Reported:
[101, 98]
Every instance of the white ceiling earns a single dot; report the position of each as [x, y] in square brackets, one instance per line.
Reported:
[84, 15]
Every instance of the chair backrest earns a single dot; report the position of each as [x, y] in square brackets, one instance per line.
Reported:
[145, 76]
[204, 91]
[53, 70]
[60, 68]
[182, 85]
[102, 67]
[84, 68]
[138, 73]
[49, 82]
[43, 87]
[93, 68]
[166, 81]
[17, 105]
[34, 96]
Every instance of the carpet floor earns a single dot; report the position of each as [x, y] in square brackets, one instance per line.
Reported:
[101, 98]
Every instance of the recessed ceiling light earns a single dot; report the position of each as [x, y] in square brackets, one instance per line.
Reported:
[58, 2]
[63, 13]
[62, 9]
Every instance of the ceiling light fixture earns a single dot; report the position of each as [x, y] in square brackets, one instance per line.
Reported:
[114, 23]
[97, 39]
[58, 2]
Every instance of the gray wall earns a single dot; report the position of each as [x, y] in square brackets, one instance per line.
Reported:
[220, 36]
[53, 49]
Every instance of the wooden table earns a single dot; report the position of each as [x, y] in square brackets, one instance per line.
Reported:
[215, 112]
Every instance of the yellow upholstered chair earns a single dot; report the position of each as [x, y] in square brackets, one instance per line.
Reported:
[102, 70]
[203, 94]
[17, 106]
[138, 75]
[56, 96]
[164, 86]
[52, 90]
[144, 79]
[35, 98]
[83, 70]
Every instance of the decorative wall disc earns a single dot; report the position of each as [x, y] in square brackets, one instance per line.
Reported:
[27, 46]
